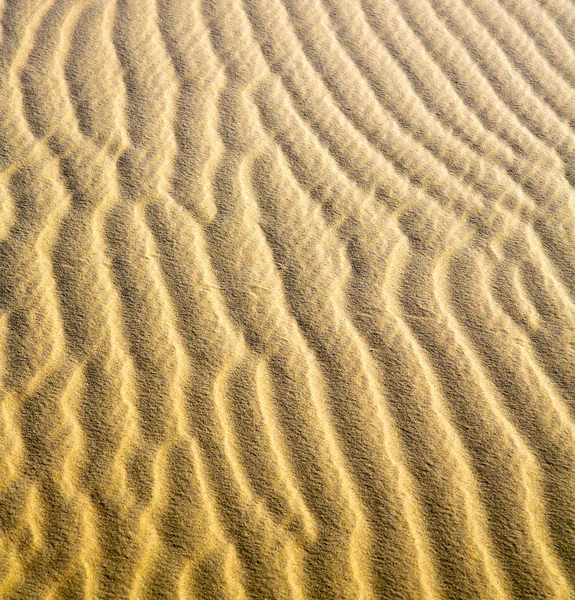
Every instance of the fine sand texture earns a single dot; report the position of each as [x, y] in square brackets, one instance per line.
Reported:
[287, 299]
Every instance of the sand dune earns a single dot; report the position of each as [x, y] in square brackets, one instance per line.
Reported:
[287, 299]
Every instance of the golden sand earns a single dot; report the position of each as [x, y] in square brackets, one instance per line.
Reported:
[287, 299]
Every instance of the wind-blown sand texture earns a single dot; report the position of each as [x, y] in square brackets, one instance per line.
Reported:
[287, 299]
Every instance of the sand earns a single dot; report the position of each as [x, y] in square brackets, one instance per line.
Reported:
[287, 299]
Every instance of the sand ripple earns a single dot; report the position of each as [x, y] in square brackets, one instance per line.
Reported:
[287, 299]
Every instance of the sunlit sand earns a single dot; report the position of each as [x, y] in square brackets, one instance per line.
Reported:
[287, 299]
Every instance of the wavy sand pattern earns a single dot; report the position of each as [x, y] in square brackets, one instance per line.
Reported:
[287, 299]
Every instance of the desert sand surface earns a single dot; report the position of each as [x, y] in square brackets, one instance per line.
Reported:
[287, 299]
